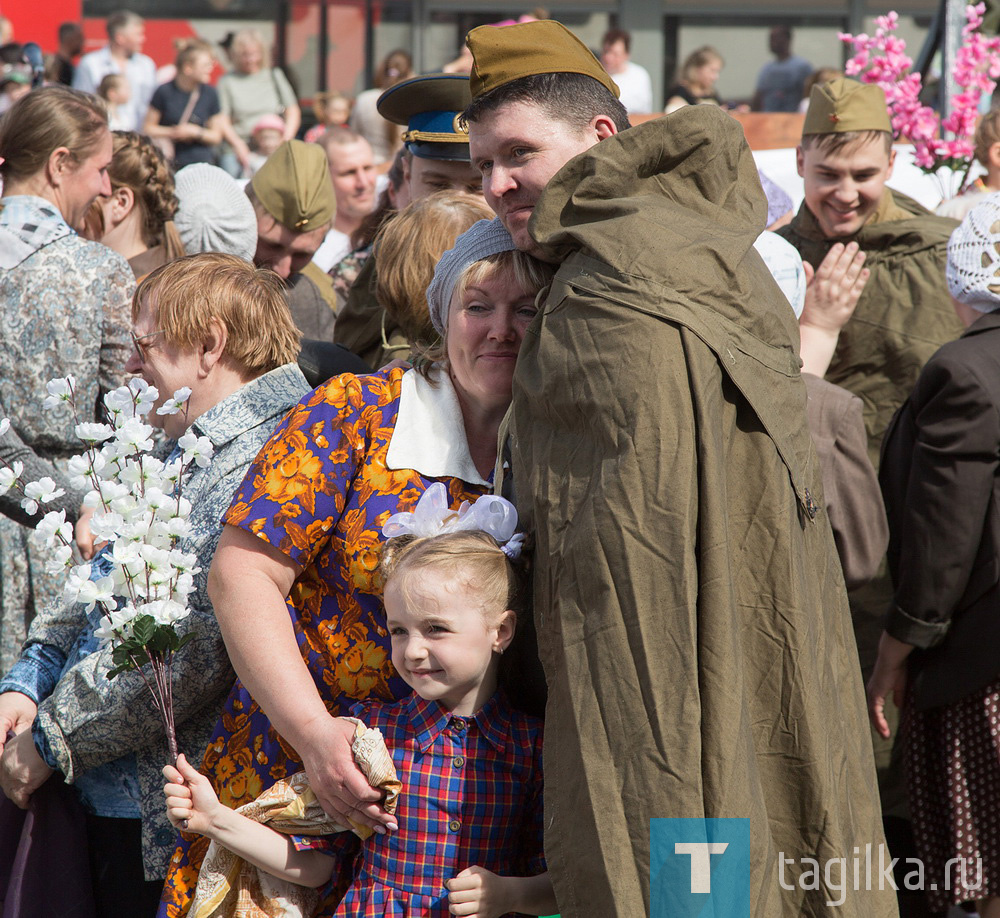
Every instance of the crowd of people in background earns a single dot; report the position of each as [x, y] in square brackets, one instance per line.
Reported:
[754, 449]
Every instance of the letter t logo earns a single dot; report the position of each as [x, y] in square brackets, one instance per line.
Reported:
[701, 865]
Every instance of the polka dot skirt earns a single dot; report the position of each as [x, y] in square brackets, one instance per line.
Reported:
[953, 772]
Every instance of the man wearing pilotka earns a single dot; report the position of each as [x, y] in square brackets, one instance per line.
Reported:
[691, 613]
[904, 314]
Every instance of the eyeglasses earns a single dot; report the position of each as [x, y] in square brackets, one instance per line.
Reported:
[137, 343]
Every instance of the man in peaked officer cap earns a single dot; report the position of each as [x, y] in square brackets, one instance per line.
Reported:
[436, 158]
[691, 613]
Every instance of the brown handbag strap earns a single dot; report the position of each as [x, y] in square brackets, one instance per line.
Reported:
[189, 108]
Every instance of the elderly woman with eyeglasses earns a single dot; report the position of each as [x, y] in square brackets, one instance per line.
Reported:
[65, 304]
[221, 327]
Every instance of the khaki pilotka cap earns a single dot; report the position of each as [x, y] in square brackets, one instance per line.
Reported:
[502, 54]
[294, 186]
[844, 105]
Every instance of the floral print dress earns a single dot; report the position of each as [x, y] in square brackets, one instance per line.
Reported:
[319, 491]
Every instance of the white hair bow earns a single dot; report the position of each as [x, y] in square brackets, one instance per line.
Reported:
[432, 517]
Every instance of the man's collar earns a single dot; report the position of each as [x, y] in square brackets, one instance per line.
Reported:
[888, 211]
[429, 436]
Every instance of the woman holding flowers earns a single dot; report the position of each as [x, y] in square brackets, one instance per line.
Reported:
[197, 327]
[294, 580]
[65, 306]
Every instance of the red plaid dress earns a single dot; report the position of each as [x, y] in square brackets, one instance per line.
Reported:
[472, 794]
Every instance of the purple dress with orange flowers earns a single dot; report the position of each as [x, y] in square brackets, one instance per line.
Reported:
[319, 492]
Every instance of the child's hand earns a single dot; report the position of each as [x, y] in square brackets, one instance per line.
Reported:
[190, 798]
[479, 893]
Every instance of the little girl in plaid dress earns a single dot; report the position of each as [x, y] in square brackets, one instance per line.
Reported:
[469, 816]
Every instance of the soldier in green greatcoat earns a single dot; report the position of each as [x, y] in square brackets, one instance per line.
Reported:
[691, 613]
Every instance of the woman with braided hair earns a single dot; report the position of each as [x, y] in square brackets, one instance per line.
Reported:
[137, 218]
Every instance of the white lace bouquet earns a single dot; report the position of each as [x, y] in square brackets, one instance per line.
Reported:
[141, 579]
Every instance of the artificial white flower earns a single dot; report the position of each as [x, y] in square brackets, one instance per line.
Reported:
[174, 405]
[91, 432]
[78, 468]
[184, 561]
[9, 476]
[127, 566]
[180, 507]
[104, 527]
[75, 580]
[115, 454]
[136, 525]
[155, 498]
[164, 611]
[131, 473]
[196, 448]
[171, 471]
[145, 400]
[54, 528]
[98, 591]
[135, 435]
[158, 566]
[178, 527]
[44, 490]
[60, 390]
[4, 426]
[116, 623]
[183, 587]
[115, 490]
[118, 400]
[158, 535]
[59, 558]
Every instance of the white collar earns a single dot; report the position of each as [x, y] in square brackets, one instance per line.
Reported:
[429, 436]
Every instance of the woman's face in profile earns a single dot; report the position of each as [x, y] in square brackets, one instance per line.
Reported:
[486, 326]
[78, 187]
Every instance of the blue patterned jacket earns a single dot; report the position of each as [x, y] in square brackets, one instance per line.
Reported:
[88, 720]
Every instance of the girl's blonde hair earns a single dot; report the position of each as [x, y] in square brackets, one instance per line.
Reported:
[472, 556]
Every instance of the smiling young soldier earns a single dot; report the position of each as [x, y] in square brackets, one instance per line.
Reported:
[691, 615]
[903, 315]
